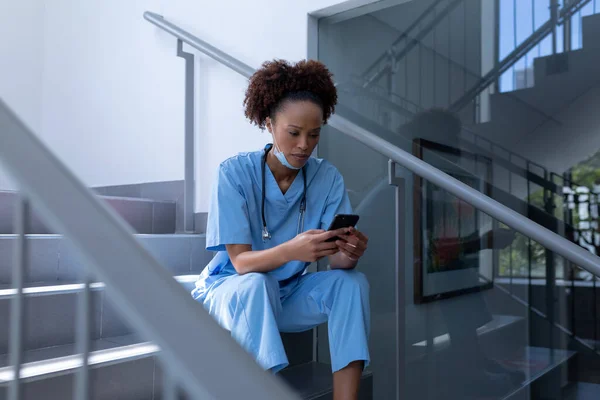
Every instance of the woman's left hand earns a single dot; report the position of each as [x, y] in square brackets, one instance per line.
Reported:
[354, 245]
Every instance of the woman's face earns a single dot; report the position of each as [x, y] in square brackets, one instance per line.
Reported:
[296, 130]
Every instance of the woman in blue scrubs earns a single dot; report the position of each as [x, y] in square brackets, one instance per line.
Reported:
[267, 222]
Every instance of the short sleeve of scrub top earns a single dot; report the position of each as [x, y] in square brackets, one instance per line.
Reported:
[337, 201]
[230, 224]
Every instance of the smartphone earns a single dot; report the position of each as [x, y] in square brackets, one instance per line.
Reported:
[342, 221]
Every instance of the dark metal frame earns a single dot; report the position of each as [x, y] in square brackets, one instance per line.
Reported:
[418, 183]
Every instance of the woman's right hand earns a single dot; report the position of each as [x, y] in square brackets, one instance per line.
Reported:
[311, 245]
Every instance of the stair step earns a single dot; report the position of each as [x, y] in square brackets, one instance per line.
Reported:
[118, 371]
[63, 359]
[582, 391]
[51, 319]
[54, 260]
[48, 290]
[143, 215]
[51, 315]
[532, 363]
[51, 371]
[313, 381]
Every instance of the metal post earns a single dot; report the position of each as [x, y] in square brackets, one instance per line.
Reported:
[18, 310]
[567, 37]
[435, 53]
[554, 18]
[449, 65]
[550, 272]
[169, 386]
[497, 44]
[188, 201]
[399, 183]
[510, 248]
[514, 76]
[84, 322]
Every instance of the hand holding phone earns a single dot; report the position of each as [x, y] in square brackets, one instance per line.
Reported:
[342, 221]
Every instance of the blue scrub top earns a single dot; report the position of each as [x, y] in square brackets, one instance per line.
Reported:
[235, 211]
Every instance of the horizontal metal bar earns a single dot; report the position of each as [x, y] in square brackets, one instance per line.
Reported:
[198, 351]
[545, 237]
[199, 44]
[62, 365]
[74, 288]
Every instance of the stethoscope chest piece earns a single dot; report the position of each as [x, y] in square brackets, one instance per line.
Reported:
[266, 235]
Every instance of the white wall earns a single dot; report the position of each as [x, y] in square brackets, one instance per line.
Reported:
[251, 32]
[21, 34]
[111, 105]
[112, 100]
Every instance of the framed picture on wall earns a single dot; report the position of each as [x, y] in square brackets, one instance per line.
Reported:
[450, 234]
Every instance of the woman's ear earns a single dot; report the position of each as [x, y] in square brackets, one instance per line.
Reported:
[269, 124]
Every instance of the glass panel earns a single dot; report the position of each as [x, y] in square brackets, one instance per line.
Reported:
[373, 199]
[524, 18]
[576, 31]
[588, 9]
[506, 40]
[523, 331]
[541, 12]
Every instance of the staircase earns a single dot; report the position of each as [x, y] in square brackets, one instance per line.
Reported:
[565, 89]
[124, 363]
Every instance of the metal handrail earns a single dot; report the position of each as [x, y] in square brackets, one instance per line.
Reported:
[511, 218]
[199, 350]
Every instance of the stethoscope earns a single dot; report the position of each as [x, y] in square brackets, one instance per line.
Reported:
[266, 235]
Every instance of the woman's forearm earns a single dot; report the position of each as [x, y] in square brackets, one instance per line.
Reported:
[245, 260]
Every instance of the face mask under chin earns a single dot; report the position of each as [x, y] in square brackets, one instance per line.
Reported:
[281, 157]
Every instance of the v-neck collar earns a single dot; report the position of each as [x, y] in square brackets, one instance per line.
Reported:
[274, 191]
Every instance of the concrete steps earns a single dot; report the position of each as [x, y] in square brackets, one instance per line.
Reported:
[123, 363]
[582, 391]
[124, 368]
[145, 216]
[54, 260]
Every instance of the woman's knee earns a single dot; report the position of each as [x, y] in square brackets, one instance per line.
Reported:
[254, 283]
[353, 280]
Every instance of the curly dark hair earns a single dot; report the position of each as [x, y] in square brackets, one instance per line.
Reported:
[279, 81]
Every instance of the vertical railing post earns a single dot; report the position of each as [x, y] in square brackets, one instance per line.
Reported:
[400, 202]
[83, 340]
[550, 270]
[497, 44]
[18, 309]
[554, 18]
[169, 391]
[189, 165]
[567, 37]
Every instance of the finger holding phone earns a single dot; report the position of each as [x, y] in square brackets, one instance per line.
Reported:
[353, 245]
[312, 245]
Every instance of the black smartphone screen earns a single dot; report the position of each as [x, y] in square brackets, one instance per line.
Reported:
[342, 221]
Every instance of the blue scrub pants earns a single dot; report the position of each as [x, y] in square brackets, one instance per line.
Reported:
[255, 309]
